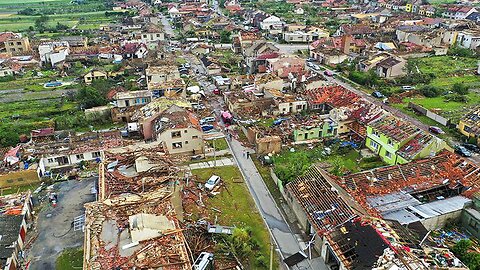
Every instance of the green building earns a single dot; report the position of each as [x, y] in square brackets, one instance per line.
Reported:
[399, 142]
[323, 129]
[471, 217]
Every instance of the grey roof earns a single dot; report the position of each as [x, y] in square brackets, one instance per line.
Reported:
[420, 212]
[392, 202]
[474, 213]
[9, 231]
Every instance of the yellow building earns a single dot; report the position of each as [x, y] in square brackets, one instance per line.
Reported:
[469, 125]
[94, 75]
[17, 45]
[409, 7]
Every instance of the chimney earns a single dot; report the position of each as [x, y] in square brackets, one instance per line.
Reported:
[346, 41]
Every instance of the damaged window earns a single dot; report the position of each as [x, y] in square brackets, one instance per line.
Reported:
[176, 134]
[176, 145]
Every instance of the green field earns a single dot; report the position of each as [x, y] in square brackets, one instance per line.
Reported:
[448, 70]
[88, 15]
[85, 20]
[236, 205]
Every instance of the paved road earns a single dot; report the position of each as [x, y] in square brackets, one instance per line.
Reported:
[167, 27]
[286, 240]
[54, 224]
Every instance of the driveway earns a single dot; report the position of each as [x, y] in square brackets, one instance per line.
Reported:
[55, 224]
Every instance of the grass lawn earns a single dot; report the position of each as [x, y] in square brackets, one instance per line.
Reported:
[237, 206]
[448, 109]
[19, 189]
[220, 144]
[70, 259]
[441, 2]
[449, 133]
[289, 165]
[445, 65]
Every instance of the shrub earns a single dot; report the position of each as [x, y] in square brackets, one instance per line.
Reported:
[460, 88]
[457, 98]
[8, 78]
[430, 91]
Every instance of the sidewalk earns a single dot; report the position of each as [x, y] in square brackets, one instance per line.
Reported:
[286, 241]
[209, 164]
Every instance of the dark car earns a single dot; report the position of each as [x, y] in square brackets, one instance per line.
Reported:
[435, 130]
[462, 151]
[471, 147]
[328, 73]
[377, 94]
[207, 127]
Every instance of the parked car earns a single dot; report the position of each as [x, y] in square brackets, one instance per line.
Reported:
[279, 121]
[199, 107]
[196, 157]
[328, 73]
[310, 64]
[316, 67]
[266, 160]
[209, 119]
[408, 87]
[212, 182]
[216, 91]
[207, 128]
[310, 59]
[377, 94]
[471, 147]
[186, 65]
[435, 130]
[462, 151]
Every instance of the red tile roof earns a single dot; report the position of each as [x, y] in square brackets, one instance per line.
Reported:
[337, 96]
[395, 128]
[6, 35]
[445, 168]
[42, 132]
[324, 207]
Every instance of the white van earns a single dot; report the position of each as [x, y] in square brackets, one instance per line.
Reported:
[408, 87]
[209, 119]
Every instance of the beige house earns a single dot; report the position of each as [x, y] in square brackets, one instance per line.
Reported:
[17, 45]
[179, 131]
[385, 65]
[127, 103]
[391, 67]
[161, 74]
[94, 74]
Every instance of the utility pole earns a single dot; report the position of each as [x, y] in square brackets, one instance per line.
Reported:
[271, 256]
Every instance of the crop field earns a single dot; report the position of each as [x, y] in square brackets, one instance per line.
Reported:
[15, 16]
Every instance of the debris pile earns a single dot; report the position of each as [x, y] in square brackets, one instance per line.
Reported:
[135, 231]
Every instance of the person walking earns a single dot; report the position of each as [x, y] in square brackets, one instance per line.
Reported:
[248, 155]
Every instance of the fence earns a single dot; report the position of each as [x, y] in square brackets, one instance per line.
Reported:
[435, 117]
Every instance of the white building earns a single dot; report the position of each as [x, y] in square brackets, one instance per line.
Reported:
[271, 22]
[469, 39]
[52, 53]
